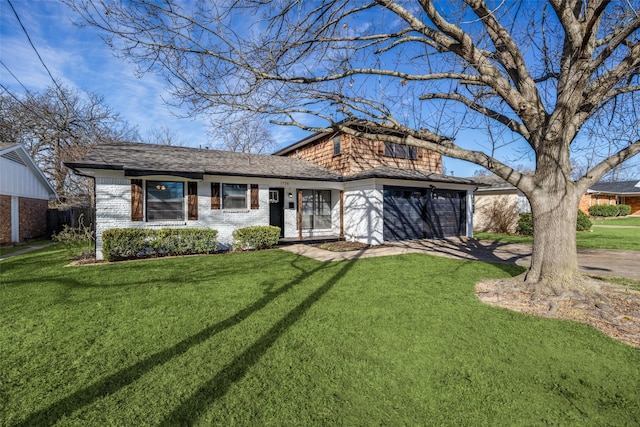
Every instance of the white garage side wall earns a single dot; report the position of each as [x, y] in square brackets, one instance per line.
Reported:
[20, 180]
[469, 213]
[363, 212]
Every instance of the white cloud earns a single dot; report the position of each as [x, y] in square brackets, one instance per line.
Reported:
[78, 58]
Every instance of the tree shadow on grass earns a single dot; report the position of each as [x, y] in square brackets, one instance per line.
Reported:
[217, 386]
[191, 409]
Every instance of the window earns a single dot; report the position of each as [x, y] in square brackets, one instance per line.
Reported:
[165, 201]
[400, 151]
[316, 209]
[336, 145]
[234, 196]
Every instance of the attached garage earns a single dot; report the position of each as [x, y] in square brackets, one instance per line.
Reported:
[411, 213]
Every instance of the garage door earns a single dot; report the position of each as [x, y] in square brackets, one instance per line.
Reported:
[411, 213]
[403, 213]
[445, 214]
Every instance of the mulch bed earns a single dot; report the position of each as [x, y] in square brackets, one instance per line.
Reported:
[615, 311]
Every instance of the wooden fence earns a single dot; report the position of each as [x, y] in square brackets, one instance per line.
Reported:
[73, 217]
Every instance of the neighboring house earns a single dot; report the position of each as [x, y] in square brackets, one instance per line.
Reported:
[388, 196]
[491, 199]
[613, 193]
[24, 196]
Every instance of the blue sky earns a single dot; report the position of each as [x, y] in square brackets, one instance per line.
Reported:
[79, 59]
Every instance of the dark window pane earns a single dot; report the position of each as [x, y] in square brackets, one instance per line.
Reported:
[336, 145]
[165, 201]
[234, 196]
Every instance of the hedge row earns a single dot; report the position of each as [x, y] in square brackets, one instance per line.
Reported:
[525, 223]
[609, 210]
[256, 237]
[129, 243]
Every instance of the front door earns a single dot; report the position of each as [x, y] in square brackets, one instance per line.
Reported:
[276, 208]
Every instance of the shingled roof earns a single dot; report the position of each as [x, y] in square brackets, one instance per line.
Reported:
[137, 159]
[622, 187]
[409, 174]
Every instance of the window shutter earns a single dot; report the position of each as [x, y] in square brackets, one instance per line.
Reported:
[255, 197]
[192, 201]
[136, 200]
[215, 195]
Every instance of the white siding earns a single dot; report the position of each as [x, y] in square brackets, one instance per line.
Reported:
[113, 207]
[363, 212]
[20, 180]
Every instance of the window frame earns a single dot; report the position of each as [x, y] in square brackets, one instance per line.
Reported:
[313, 212]
[400, 151]
[337, 146]
[149, 211]
[223, 196]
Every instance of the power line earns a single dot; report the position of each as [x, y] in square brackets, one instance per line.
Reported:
[14, 76]
[40, 116]
[33, 46]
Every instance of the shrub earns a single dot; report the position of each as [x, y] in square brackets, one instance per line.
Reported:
[256, 237]
[624, 210]
[499, 215]
[583, 223]
[77, 240]
[604, 210]
[525, 224]
[128, 243]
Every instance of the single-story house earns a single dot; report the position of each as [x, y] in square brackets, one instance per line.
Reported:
[24, 196]
[495, 189]
[393, 196]
[613, 193]
[496, 194]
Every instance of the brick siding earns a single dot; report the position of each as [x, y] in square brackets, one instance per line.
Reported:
[358, 155]
[33, 218]
[32, 214]
[5, 219]
[588, 200]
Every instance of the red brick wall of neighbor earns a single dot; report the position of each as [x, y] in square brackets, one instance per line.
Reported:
[358, 155]
[5, 219]
[634, 202]
[590, 200]
[33, 217]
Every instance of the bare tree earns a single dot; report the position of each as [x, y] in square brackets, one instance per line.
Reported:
[163, 135]
[60, 125]
[242, 132]
[536, 75]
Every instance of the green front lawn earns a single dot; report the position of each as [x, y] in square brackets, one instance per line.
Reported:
[272, 338]
[629, 221]
[597, 238]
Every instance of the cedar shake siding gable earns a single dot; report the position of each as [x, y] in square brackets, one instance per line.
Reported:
[358, 155]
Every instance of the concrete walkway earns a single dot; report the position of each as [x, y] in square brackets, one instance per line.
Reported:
[26, 250]
[592, 261]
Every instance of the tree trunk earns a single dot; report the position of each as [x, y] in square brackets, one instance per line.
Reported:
[554, 262]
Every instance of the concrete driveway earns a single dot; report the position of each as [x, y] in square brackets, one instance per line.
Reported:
[592, 261]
